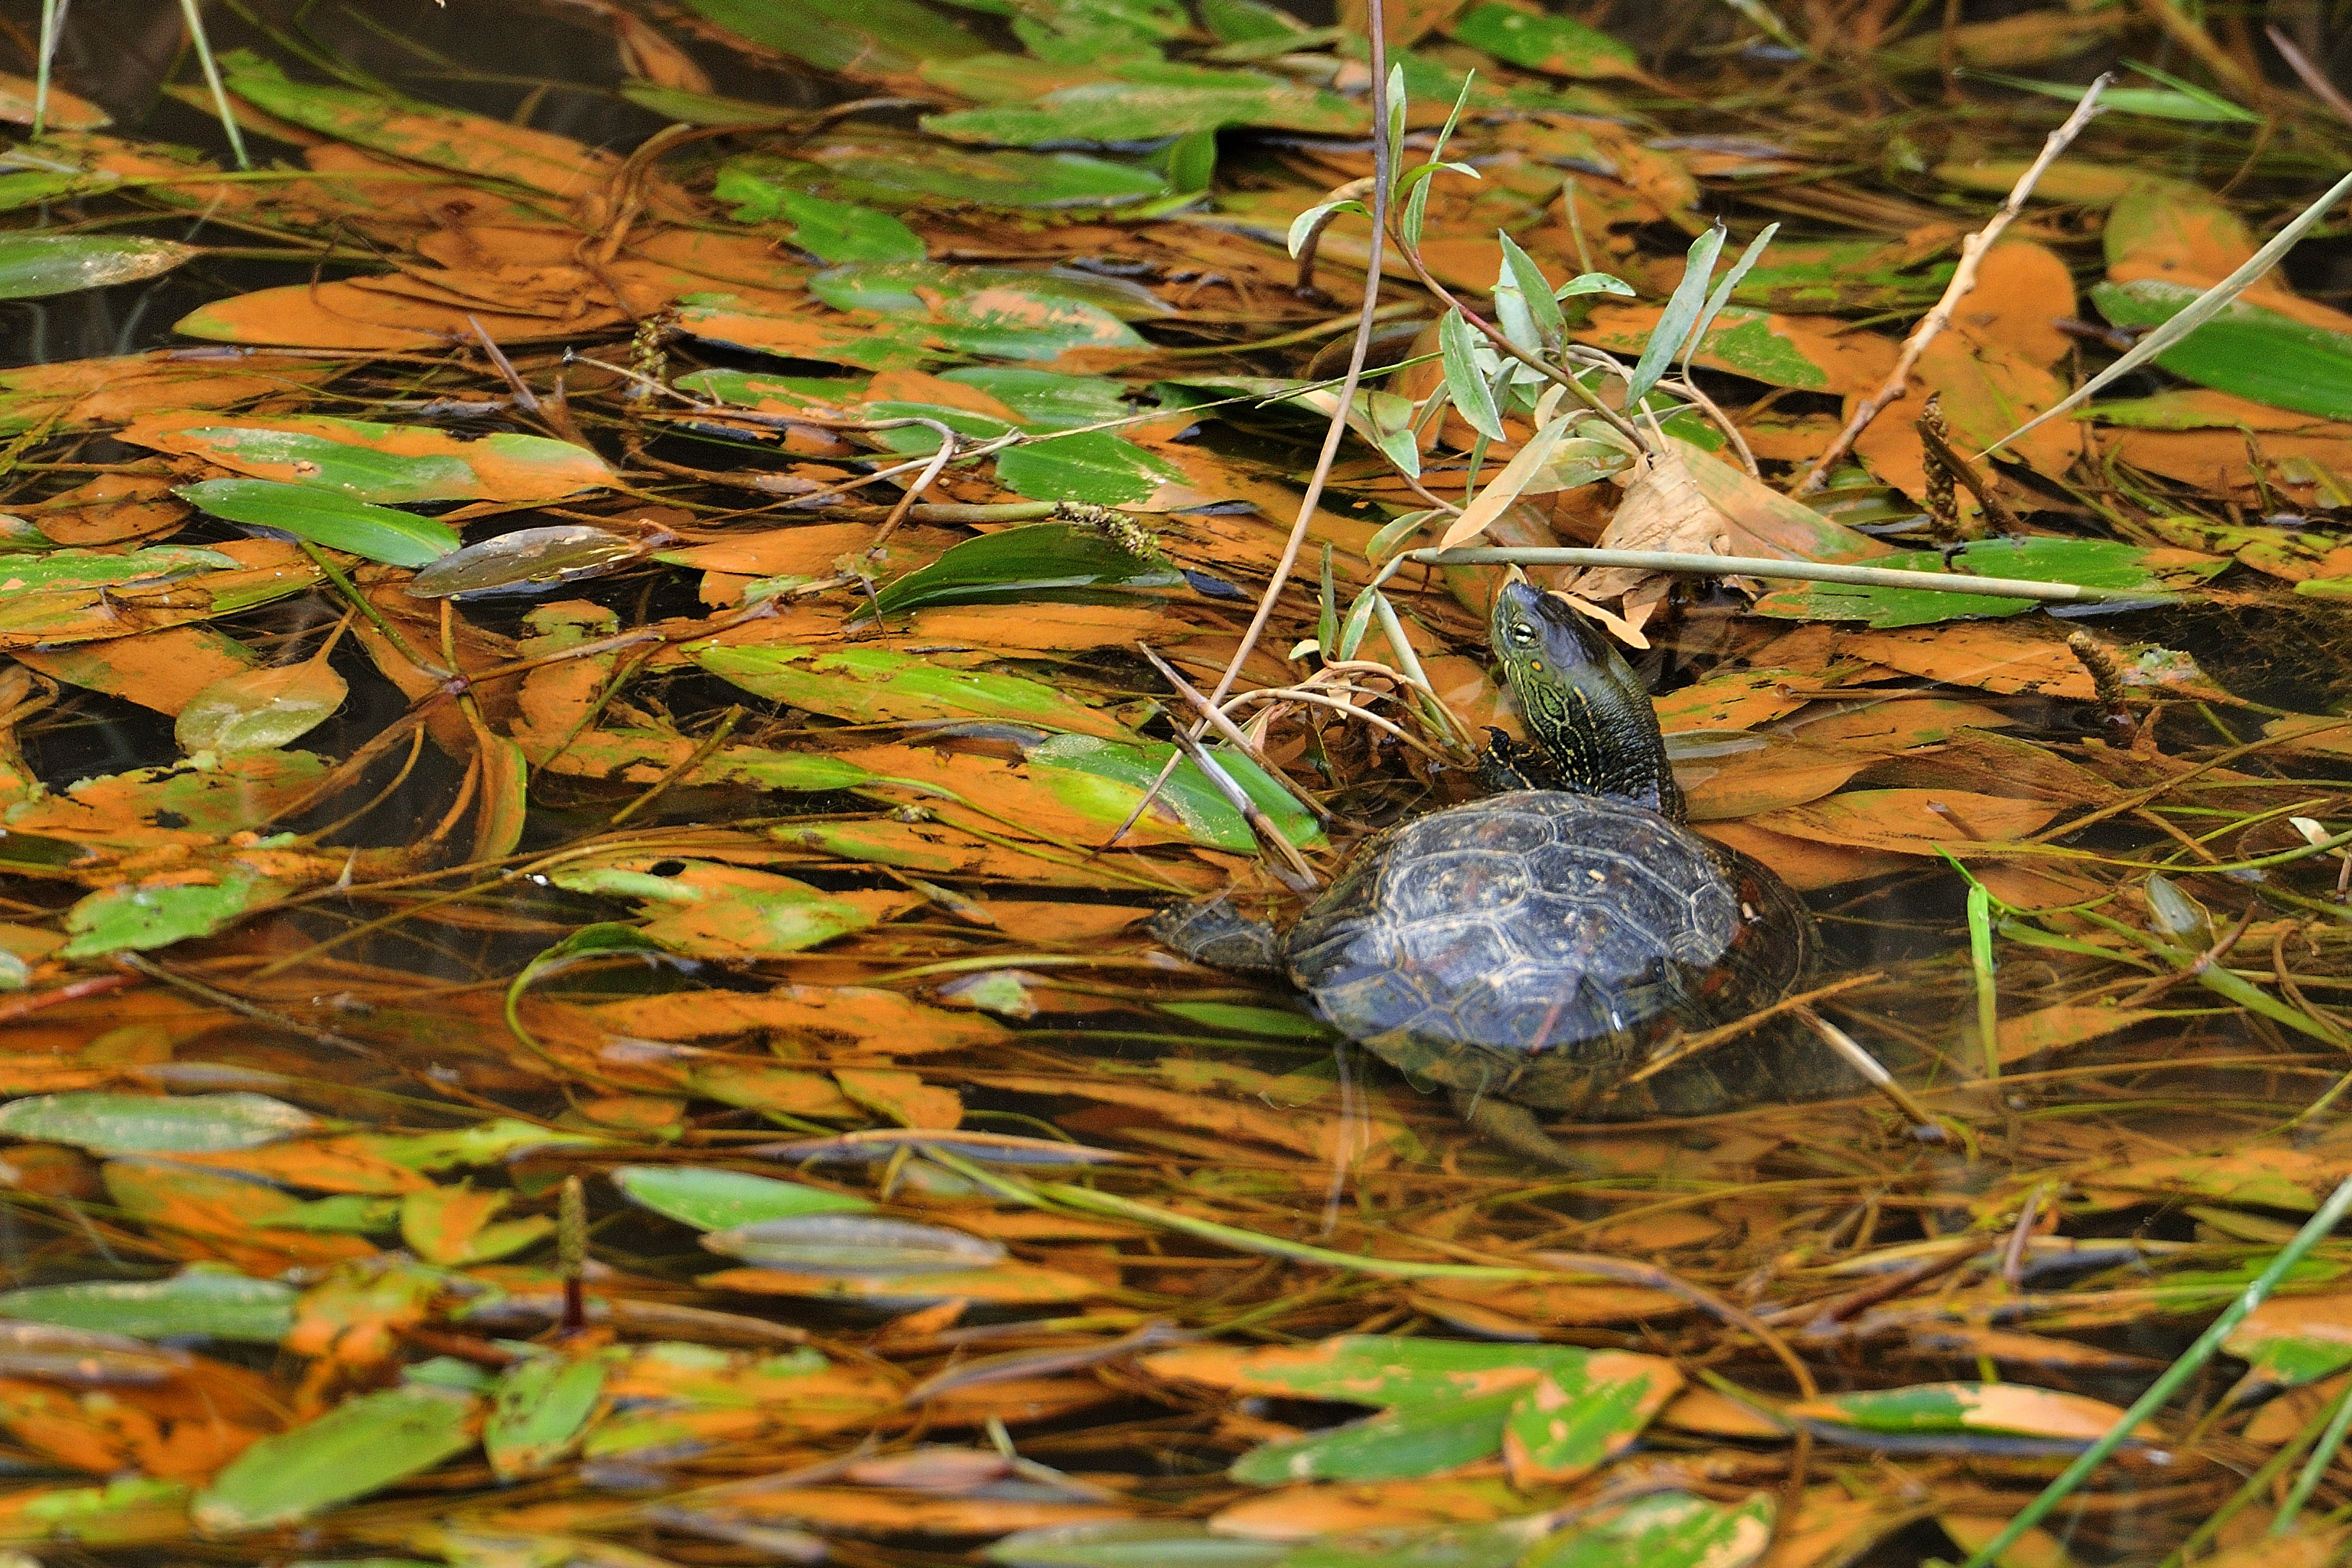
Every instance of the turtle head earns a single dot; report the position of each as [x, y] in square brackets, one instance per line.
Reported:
[1581, 704]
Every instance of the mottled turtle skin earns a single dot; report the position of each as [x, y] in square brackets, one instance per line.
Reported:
[1531, 947]
[1528, 949]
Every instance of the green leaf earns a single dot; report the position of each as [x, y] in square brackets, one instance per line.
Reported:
[1969, 1409]
[1401, 1444]
[1666, 1530]
[366, 461]
[203, 1301]
[325, 519]
[360, 1446]
[680, 106]
[885, 175]
[1577, 1415]
[1249, 21]
[2246, 350]
[856, 1244]
[1137, 1542]
[1207, 815]
[2180, 102]
[1047, 400]
[1305, 224]
[74, 570]
[830, 231]
[260, 710]
[1282, 1023]
[137, 919]
[1535, 290]
[489, 1143]
[879, 685]
[2092, 563]
[868, 342]
[710, 1198]
[1466, 381]
[1134, 110]
[1093, 466]
[1191, 163]
[1682, 313]
[538, 1413]
[1552, 44]
[902, 287]
[1498, 1544]
[527, 560]
[876, 38]
[36, 266]
[156, 1124]
[1030, 562]
[2287, 1343]
[1721, 295]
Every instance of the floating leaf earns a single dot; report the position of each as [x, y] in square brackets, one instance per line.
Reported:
[710, 1198]
[854, 1244]
[35, 266]
[1121, 111]
[876, 686]
[380, 463]
[2289, 1341]
[1045, 400]
[830, 231]
[1554, 44]
[2246, 350]
[886, 175]
[326, 518]
[1130, 768]
[360, 1446]
[1095, 466]
[1669, 1530]
[1134, 1543]
[2007, 1409]
[862, 37]
[1033, 562]
[136, 919]
[527, 560]
[538, 1413]
[260, 710]
[155, 1123]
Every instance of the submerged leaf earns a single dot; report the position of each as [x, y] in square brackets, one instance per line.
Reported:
[1031, 562]
[35, 266]
[852, 1244]
[260, 710]
[527, 560]
[155, 1123]
[710, 1198]
[356, 1448]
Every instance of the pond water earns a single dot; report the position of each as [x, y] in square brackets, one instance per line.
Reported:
[742, 923]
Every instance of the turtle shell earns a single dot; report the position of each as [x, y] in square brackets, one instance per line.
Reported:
[1532, 945]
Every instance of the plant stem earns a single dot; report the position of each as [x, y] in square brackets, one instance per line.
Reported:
[1795, 571]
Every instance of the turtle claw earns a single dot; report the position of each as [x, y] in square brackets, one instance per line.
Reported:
[1515, 1127]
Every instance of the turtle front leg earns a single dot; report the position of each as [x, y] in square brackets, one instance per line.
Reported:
[1515, 1127]
[1506, 765]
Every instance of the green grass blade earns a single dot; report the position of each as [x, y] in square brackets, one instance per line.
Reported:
[2207, 306]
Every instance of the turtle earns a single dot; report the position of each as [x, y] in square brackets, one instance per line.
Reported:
[1528, 948]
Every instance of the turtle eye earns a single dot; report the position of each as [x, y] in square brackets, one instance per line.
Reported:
[1522, 633]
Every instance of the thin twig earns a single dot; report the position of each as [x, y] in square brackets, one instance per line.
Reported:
[1383, 176]
[1226, 726]
[2312, 77]
[1964, 278]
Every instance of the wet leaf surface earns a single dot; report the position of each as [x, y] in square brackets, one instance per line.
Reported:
[679, 1068]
